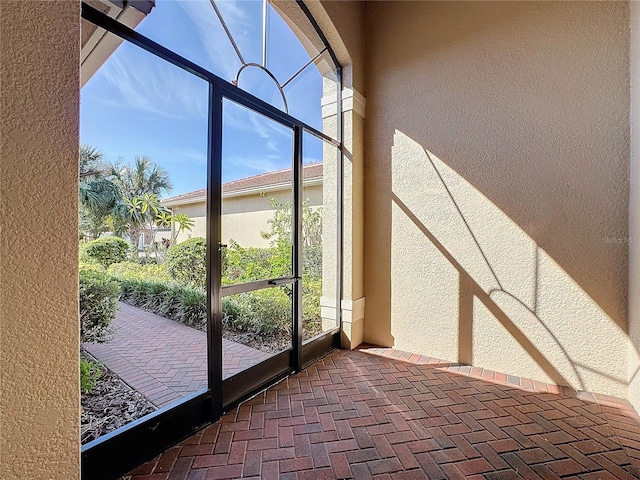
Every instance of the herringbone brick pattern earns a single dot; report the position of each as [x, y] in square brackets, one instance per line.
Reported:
[162, 359]
[365, 415]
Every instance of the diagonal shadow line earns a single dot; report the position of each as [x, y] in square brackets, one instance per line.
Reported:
[604, 374]
[544, 325]
[455, 204]
[633, 376]
[501, 289]
[488, 302]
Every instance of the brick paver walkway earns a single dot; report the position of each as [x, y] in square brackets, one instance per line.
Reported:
[366, 415]
[162, 359]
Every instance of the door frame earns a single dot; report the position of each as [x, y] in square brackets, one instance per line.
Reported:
[116, 453]
[256, 377]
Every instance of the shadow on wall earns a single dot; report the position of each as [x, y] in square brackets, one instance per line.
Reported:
[486, 292]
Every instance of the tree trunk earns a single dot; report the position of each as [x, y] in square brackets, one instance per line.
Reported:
[134, 238]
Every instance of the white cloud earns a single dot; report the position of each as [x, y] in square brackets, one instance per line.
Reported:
[241, 119]
[147, 83]
[214, 40]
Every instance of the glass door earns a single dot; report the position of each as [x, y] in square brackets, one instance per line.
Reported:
[258, 300]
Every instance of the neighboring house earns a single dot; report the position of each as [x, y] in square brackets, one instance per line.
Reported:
[246, 205]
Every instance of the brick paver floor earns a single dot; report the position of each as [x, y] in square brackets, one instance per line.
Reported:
[162, 359]
[379, 413]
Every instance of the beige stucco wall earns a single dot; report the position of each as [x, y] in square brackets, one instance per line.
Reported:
[39, 406]
[244, 217]
[496, 186]
[634, 212]
[343, 24]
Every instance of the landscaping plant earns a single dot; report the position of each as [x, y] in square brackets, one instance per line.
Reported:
[98, 304]
[186, 262]
[106, 250]
[90, 372]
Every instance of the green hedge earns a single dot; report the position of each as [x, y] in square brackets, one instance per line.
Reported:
[98, 304]
[90, 373]
[176, 289]
[311, 292]
[240, 264]
[187, 262]
[182, 304]
[266, 312]
[137, 271]
[106, 250]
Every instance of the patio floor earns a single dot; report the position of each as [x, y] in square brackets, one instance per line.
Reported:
[162, 359]
[381, 413]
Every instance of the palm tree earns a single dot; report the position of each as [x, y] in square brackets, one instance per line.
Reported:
[98, 194]
[143, 177]
[141, 186]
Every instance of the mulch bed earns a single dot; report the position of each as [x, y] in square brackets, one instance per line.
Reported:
[111, 404]
[274, 344]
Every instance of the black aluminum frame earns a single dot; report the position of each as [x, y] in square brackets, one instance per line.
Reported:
[118, 452]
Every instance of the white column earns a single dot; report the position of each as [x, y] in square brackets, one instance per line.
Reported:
[352, 303]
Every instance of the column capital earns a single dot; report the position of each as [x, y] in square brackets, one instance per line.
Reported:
[352, 100]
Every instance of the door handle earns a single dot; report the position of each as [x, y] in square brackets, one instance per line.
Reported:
[283, 281]
[221, 246]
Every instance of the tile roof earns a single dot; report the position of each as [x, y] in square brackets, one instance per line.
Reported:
[309, 172]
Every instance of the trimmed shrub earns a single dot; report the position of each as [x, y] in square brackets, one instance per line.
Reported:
[90, 372]
[136, 271]
[106, 250]
[82, 254]
[182, 304]
[311, 292]
[90, 265]
[187, 262]
[241, 264]
[98, 304]
[266, 312]
[192, 308]
[312, 261]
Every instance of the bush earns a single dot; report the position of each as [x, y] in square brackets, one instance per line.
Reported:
[241, 264]
[98, 304]
[106, 250]
[90, 372]
[182, 304]
[311, 292]
[187, 262]
[312, 261]
[266, 312]
[83, 257]
[136, 271]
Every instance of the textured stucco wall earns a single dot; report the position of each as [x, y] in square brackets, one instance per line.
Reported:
[343, 24]
[634, 211]
[39, 407]
[496, 185]
[245, 217]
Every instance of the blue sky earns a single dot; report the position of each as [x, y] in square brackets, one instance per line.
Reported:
[137, 104]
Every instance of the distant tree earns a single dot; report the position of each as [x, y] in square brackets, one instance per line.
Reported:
[282, 220]
[98, 194]
[141, 184]
[139, 213]
[181, 223]
[140, 178]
